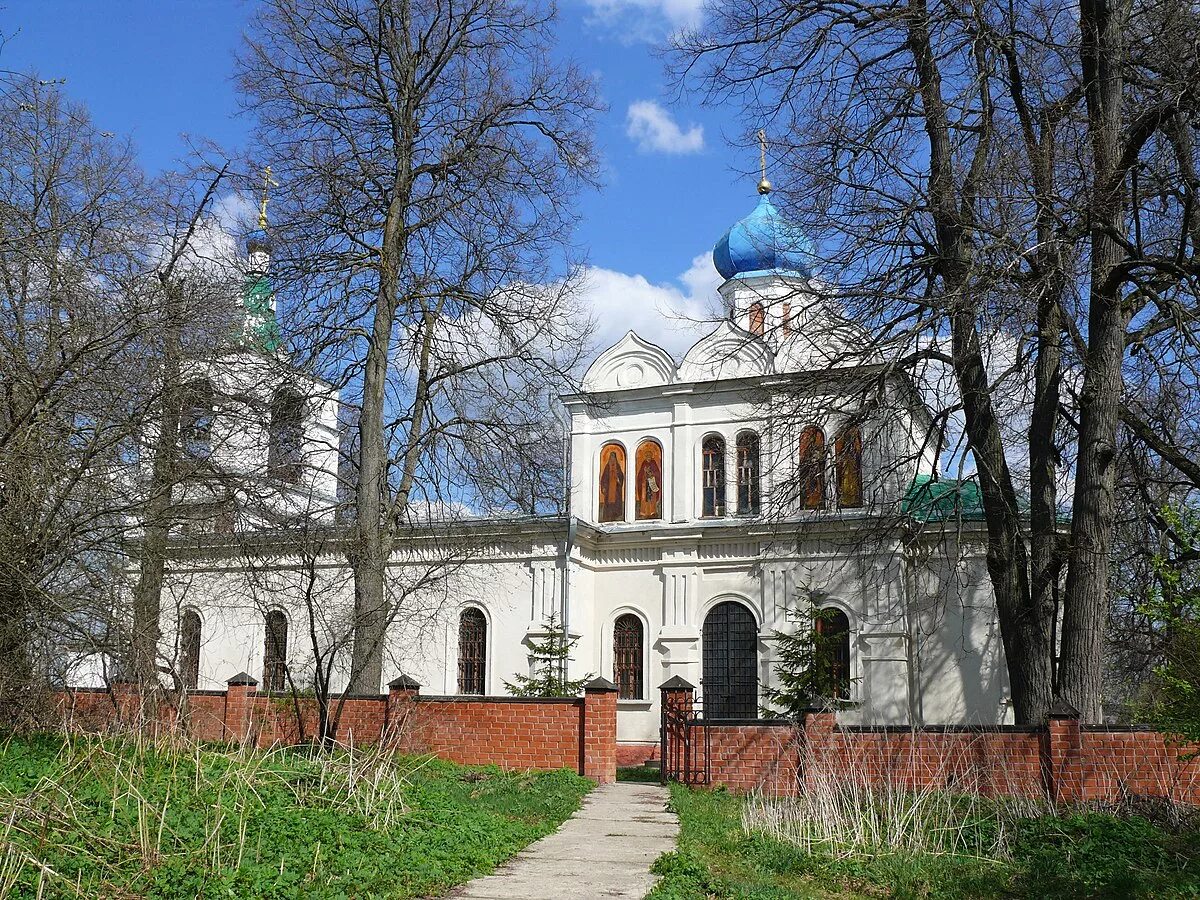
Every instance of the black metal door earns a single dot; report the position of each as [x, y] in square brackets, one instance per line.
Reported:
[730, 681]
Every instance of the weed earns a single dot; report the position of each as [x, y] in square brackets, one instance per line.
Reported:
[129, 816]
[765, 849]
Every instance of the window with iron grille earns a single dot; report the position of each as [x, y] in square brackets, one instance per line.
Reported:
[729, 682]
[472, 651]
[747, 474]
[189, 649]
[627, 657]
[284, 454]
[834, 628]
[196, 419]
[713, 474]
[275, 653]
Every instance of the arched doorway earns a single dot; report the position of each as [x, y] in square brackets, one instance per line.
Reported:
[730, 677]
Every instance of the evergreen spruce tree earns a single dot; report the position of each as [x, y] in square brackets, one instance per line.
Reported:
[551, 660]
[805, 669]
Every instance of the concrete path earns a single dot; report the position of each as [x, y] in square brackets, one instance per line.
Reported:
[604, 850]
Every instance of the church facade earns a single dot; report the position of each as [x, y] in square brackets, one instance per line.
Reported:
[781, 464]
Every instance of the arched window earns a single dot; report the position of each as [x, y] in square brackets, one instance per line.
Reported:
[649, 500]
[189, 649]
[472, 651]
[612, 483]
[196, 419]
[627, 656]
[729, 655]
[747, 474]
[812, 468]
[848, 456]
[833, 653]
[712, 471]
[758, 319]
[275, 652]
[287, 436]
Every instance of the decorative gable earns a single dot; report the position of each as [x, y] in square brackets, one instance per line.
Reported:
[631, 362]
[728, 352]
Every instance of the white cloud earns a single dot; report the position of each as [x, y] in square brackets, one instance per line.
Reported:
[655, 130]
[646, 19]
[674, 315]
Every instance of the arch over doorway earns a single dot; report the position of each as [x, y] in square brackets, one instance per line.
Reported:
[729, 644]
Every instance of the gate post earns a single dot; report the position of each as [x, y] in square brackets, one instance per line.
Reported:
[240, 697]
[677, 699]
[600, 730]
[817, 752]
[1064, 753]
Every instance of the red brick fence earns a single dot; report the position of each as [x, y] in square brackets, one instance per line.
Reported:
[512, 732]
[1063, 759]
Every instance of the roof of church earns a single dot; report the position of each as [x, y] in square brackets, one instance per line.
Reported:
[763, 242]
[932, 499]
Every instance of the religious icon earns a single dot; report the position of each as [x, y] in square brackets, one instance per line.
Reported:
[812, 467]
[848, 455]
[649, 480]
[612, 483]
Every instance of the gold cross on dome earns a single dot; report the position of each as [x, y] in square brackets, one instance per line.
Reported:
[764, 186]
[267, 183]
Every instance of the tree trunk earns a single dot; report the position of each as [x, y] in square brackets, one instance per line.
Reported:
[1025, 633]
[147, 596]
[374, 523]
[1025, 626]
[1086, 603]
[372, 545]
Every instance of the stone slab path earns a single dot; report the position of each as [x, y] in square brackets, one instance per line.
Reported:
[604, 850]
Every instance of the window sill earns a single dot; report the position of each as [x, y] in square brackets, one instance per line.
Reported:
[634, 704]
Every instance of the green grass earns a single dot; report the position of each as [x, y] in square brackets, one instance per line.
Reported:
[117, 818]
[1074, 854]
[643, 774]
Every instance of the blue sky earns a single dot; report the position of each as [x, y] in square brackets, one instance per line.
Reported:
[161, 70]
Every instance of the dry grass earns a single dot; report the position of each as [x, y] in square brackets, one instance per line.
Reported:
[135, 815]
[960, 800]
[960, 804]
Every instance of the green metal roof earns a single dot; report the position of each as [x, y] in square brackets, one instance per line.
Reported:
[930, 499]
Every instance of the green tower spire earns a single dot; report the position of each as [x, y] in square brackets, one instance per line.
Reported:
[260, 329]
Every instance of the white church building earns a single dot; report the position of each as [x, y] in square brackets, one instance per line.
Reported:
[781, 462]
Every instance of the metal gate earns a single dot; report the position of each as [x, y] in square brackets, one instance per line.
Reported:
[685, 745]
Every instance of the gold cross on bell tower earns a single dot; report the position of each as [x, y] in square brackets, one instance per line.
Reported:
[764, 186]
[267, 183]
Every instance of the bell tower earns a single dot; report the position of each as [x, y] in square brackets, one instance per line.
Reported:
[766, 262]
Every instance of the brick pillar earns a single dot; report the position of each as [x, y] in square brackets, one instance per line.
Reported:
[241, 692]
[1064, 753]
[398, 714]
[127, 700]
[600, 730]
[818, 747]
[677, 695]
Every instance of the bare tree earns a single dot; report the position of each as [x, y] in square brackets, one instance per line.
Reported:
[182, 325]
[973, 171]
[428, 154]
[81, 353]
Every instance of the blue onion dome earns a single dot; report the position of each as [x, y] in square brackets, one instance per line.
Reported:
[762, 243]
